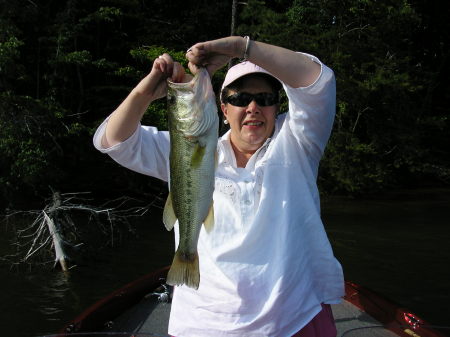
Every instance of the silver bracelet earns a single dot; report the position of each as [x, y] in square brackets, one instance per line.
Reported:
[247, 44]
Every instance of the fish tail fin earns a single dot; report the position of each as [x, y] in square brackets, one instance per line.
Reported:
[184, 270]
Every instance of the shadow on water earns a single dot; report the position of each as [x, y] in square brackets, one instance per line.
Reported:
[396, 245]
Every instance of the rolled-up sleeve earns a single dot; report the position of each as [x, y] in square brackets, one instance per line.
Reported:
[146, 151]
[312, 110]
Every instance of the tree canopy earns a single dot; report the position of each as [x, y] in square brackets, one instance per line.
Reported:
[65, 65]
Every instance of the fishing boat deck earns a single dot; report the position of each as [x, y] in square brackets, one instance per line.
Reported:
[142, 309]
[151, 317]
[352, 322]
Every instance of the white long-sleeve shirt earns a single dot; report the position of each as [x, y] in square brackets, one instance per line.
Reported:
[267, 265]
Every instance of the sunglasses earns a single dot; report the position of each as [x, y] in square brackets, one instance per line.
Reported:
[243, 99]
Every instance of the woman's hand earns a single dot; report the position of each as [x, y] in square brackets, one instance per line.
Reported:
[215, 54]
[163, 68]
[125, 119]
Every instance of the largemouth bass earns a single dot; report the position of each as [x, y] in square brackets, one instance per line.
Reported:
[193, 128]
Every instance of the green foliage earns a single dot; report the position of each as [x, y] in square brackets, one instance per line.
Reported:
[10, 68]
[384, 121]
[9, 50]
[27, 144]
[156, 115]
[66, 65]
[78, 58]
[106, 14]
[352, 167]
[149, 53]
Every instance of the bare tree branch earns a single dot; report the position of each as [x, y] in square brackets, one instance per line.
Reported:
[66, 224]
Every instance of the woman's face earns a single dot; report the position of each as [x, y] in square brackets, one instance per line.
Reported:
[250, 125]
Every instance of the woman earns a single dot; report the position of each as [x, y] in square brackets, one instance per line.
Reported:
[267, 268]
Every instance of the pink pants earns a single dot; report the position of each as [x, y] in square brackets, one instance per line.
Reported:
[322, 325]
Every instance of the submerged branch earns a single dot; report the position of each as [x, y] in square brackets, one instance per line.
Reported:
[66, 224]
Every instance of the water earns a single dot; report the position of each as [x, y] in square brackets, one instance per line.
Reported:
[396, 245]
[43, 301]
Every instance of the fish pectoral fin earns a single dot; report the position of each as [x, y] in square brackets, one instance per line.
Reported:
[209, 220]
[197, 155]
[169, 217]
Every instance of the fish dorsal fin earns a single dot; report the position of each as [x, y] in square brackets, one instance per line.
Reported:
[169, 217]
[209, 220]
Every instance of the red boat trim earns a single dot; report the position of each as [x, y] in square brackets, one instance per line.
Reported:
[398, 320]
[96, 317]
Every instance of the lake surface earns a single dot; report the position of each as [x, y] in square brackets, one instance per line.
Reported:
[396, 244]
[399, 246]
